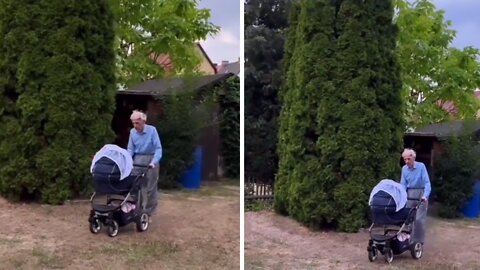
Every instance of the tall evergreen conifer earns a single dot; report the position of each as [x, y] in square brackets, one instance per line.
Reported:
[341, 123]
[57, 95]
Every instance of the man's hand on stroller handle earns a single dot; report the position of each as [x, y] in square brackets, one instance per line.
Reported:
[424, 201]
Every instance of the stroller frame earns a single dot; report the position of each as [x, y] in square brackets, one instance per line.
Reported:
[387, 243]
[111, 215]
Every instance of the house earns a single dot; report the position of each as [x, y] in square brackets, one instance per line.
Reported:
[227, 67]
[146, 96]
[450, 107]
[428, 141]
[207, 67]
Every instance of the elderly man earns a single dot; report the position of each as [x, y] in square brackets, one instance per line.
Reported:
[146, 149]
[415, 175]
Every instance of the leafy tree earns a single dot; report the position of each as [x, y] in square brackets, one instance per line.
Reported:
[57, 95]
[433, 72]
[265, 22]
[266, 13]
[341, 120]
[147, 29]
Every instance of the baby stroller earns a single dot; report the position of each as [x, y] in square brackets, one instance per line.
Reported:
[393, 213]
[112, 169]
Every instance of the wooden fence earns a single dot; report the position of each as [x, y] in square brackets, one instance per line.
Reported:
[258, 191]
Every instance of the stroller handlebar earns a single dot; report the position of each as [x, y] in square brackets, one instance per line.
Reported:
[144, 168]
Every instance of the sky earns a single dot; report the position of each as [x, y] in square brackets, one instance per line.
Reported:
[226, 44]
[465, 20]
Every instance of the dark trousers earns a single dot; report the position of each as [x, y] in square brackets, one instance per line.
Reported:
[420, 223]
[148, 192]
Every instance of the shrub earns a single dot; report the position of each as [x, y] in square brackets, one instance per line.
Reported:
[454, 175]
[179, 127]
[228, 96]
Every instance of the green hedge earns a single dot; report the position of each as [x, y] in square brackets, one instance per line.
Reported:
[57, 95]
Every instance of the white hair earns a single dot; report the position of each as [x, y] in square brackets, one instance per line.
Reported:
[138, 115]
[409, 152]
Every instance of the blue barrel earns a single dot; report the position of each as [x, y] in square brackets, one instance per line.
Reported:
[472, 208]
[192, 178]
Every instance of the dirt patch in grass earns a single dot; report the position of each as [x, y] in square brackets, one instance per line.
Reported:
[190, 230]
[276, 242]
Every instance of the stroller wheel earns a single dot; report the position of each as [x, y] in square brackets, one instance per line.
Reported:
[389, 255]
[416, 250]
[372, 254]
[113, 229]
[142, 223]
[95, 225]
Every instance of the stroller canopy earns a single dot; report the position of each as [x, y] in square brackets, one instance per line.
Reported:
[394, 189]
[120, 156]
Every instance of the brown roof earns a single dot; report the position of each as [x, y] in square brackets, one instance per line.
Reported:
[445, 129]
[167, 86]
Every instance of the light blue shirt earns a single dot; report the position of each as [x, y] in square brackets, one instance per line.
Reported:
[416, 177]
[145, 142]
